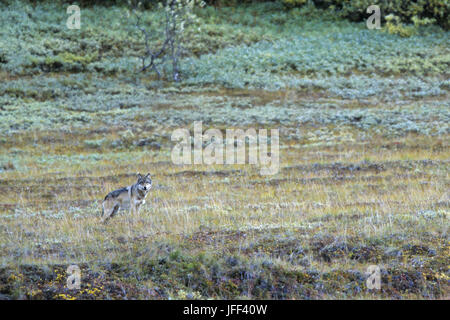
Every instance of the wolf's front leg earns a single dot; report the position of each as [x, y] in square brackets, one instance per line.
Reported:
[133, 209]
[138, 206]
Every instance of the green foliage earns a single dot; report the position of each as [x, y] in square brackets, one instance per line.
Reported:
[275, 44]
[294, 3]
[395, 26]
[319, 53]
[405, 10]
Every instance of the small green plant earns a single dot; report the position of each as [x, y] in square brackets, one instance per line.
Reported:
[418, 22]
[395, 26]
[294, 3]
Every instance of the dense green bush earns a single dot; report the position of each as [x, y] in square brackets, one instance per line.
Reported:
[406, 10]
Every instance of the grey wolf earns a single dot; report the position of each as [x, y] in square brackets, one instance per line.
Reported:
[132, 196]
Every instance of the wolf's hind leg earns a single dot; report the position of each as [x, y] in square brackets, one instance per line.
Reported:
[114, 210]
[109, 212]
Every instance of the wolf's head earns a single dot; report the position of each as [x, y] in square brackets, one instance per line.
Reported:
[144, 183]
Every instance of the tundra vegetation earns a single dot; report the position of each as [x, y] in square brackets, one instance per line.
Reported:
[364, 149]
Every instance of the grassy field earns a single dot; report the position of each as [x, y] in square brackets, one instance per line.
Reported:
[364, 149]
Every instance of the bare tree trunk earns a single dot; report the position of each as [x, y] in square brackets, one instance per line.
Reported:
[172, 45]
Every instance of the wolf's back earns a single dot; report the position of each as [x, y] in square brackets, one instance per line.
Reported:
[116, 193]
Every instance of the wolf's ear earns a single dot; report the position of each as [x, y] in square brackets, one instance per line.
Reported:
[139, 175]
[148, 175]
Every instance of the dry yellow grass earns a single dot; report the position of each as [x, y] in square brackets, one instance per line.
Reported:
[365, 197]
